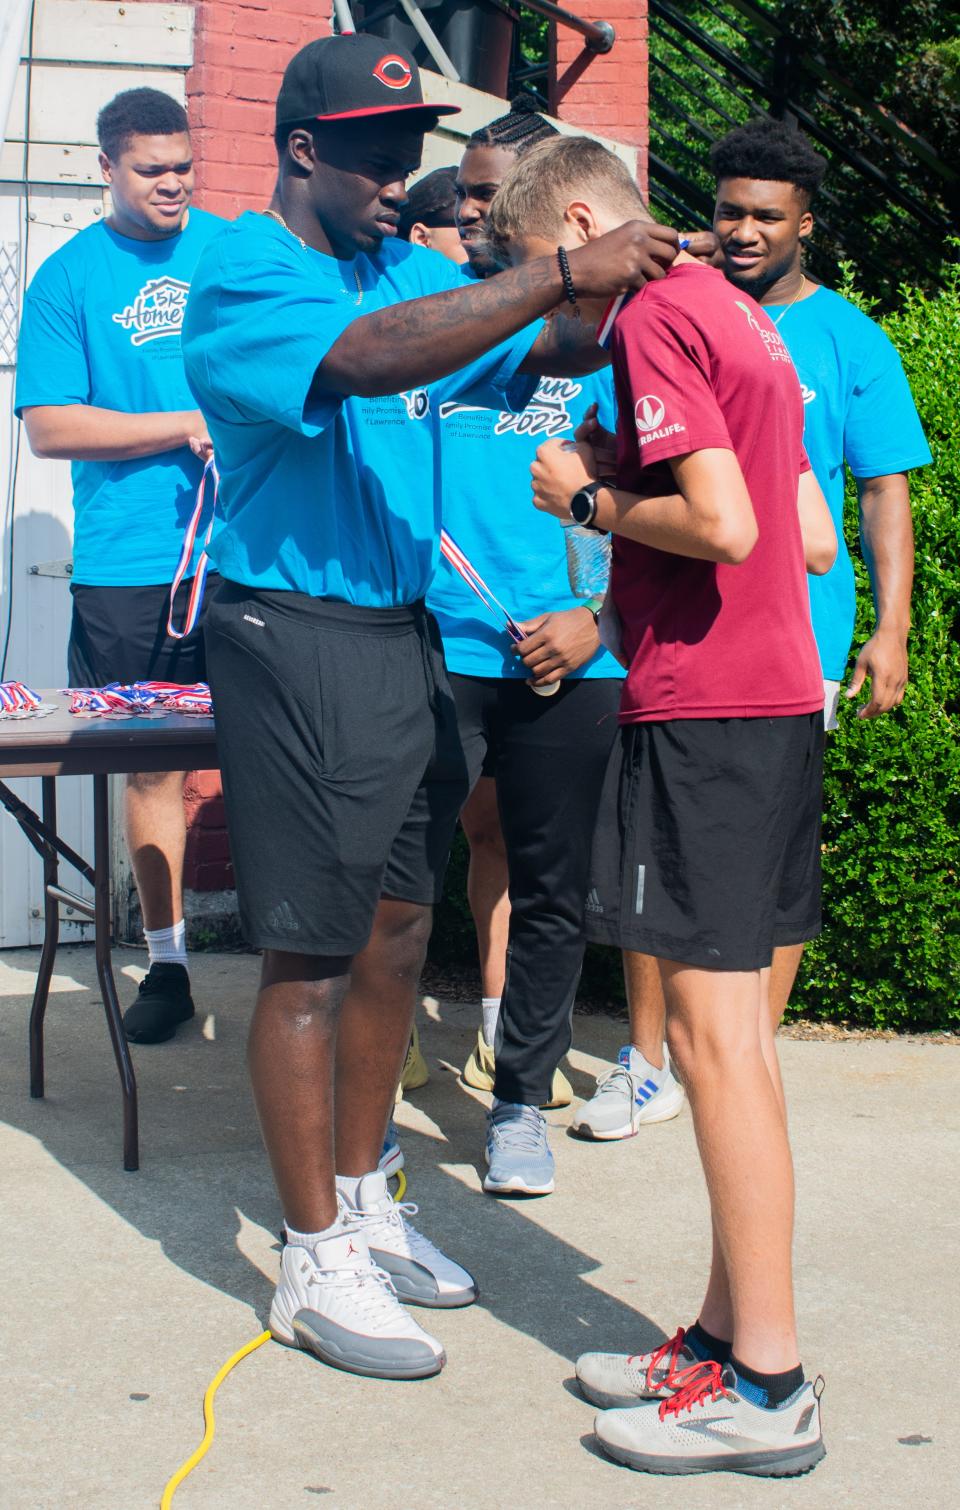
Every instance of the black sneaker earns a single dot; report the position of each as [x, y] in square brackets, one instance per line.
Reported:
[163, 1003]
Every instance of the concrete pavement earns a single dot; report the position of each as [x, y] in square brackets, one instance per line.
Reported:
[123, 1293]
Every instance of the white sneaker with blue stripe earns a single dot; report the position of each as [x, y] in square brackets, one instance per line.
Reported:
[519, 1161]
[631, 1093]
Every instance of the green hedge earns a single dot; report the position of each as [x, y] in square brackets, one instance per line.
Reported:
[889, 955]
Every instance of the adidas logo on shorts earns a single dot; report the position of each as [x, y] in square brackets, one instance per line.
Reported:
[594, 903]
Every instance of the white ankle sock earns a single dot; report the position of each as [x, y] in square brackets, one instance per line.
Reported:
[167, 946]
[490, 1007]
[309, 1239]
[348, 1186]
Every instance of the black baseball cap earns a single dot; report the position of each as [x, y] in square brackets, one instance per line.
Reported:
[348, 78]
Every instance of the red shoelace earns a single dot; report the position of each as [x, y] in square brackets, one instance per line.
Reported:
[693, 1385]
[672, 1347]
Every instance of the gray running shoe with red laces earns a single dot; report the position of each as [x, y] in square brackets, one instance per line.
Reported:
[708, 1427]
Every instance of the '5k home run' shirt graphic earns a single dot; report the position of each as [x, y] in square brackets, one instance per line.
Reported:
[101, 326]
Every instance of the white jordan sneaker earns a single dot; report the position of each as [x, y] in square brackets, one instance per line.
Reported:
[334, 1302]
[419, 1272]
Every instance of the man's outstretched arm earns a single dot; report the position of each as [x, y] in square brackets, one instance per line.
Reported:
[412, 344]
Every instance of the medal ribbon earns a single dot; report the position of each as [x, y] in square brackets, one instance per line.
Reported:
[141, 697]
[609, 316]
[186, 556]
[17, 697]
[465, 569]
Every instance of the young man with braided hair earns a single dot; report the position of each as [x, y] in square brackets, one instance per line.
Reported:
[714, 855]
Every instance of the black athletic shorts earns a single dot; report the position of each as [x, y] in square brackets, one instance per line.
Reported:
[119, 634]
[499, 717]
[342, 767]
[707, 849]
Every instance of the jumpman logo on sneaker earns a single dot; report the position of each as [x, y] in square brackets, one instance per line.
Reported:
[351, 1249]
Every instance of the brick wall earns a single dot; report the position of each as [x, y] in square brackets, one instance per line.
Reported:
[207, 865]
[240, 51]
[606, 93]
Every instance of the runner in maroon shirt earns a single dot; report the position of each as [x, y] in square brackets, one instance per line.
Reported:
[713, 856]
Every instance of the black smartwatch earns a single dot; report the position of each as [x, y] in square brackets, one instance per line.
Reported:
[583, 504]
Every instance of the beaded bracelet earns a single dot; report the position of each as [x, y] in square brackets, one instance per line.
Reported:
[568, 288]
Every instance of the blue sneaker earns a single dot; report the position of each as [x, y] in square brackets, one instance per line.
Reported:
[517, 1152]
[391, 1157]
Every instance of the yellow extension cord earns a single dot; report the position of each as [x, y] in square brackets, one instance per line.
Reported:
[209, 1419]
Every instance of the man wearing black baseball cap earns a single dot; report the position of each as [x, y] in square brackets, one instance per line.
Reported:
[320, 348]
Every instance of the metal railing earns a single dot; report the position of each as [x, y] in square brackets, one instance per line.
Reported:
[716, 63]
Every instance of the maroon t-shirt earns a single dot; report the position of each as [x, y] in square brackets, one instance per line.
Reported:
[699, 365]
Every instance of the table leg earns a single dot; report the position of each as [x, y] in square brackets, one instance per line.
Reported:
[51, 937]
[108, 990]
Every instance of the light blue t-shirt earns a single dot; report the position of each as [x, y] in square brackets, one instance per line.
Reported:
[101, 326]
[858, 408]
[485, 462]
[334, 496]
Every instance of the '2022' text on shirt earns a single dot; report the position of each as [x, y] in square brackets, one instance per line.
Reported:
[485, 460]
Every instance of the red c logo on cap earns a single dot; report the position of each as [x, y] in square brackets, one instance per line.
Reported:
[393, 71]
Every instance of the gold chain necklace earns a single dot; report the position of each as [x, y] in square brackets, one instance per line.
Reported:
[803, 284]
[275, 215]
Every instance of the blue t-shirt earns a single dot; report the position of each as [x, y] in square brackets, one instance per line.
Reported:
[485, 468]
[333, 496]
[101, 326]
[858, 407]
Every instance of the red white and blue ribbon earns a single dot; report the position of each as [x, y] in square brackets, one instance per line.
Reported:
[17, 697]
[465, 569]
[130, 699]
[186, 556]
[613, 309]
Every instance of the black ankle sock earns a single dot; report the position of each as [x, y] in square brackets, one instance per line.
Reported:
[768, 1390]
[705, 1345]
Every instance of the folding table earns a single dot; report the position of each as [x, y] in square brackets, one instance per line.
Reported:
[62, 744]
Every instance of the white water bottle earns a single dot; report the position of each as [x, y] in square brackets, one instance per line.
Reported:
[588, 560]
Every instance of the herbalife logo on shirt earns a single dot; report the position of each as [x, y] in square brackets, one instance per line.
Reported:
[156, 311]
[649, 413]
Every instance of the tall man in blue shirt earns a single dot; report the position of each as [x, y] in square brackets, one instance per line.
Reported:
[101, 383]
[309, 343]
[859, 412]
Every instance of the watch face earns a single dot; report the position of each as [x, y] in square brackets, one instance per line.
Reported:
[583, 507]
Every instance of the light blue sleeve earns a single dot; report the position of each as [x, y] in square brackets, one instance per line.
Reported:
[254, 336]
[882, 431]
[52, 366]
[494, 380]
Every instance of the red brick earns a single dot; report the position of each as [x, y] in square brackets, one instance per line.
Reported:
[275, 26]
[216, 876]
[206, 846]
